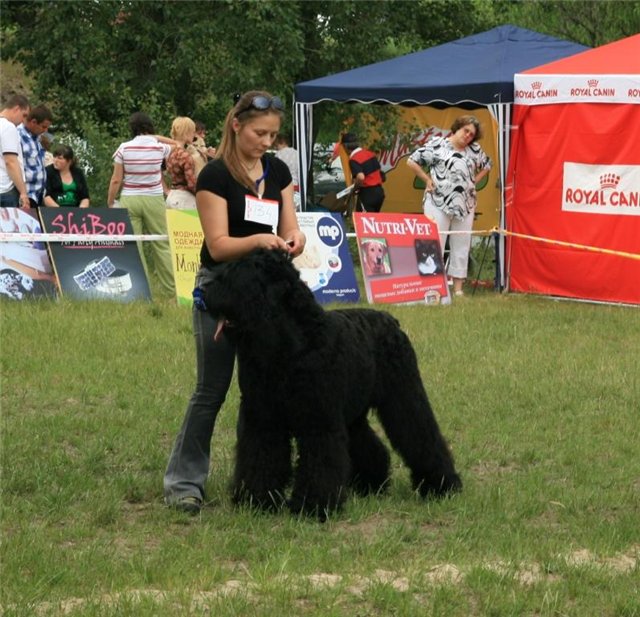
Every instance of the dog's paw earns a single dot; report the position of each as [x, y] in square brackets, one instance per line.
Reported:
[267, 502]
[321, 509]
[321, 513]
[439, 487]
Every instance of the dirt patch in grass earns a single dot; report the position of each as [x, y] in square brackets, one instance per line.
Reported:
[439, 575]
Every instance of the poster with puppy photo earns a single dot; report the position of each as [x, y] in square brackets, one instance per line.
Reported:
[326, 265]
[401, 258]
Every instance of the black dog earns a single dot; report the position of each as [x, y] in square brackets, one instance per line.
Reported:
[311, 375]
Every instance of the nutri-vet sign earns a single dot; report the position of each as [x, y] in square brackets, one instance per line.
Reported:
[601, 189]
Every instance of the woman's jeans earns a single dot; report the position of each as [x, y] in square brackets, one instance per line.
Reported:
[189, 461]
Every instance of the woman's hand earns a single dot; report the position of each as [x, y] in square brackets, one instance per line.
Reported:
[295, 242]
[270, 242]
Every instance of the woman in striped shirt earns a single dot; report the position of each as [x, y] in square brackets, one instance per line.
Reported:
[137, 176]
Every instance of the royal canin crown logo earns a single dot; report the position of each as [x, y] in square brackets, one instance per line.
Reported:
[609, 181]
[536, 85]
[593, 83]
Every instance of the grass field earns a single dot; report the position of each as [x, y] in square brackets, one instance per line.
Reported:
[538, 399]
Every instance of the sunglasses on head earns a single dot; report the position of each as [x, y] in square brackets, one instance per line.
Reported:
[262, 103]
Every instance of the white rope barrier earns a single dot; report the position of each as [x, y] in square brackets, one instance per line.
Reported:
[38, 237]
[103, 238]
[55, 237]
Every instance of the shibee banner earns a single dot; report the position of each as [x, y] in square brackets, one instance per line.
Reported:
[95, 268]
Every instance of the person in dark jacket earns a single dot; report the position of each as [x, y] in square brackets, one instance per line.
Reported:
[66, 183]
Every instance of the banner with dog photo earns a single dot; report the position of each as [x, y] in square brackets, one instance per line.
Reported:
[401, 258]
[326, 265]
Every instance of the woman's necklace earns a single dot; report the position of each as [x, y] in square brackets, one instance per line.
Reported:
[250, 169]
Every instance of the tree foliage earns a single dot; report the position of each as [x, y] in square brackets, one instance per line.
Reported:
[591, 22]
[96, 61]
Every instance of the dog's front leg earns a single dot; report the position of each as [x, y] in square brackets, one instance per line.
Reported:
[322, 473]
[263, 460]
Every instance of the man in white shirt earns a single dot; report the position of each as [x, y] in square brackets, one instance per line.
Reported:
[137, 170]
[289, 156]
[13, 190]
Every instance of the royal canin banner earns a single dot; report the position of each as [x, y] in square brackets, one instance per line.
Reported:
[574, 185]
[601, 189]
[536, 89]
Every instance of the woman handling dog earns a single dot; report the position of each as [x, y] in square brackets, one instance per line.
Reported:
[456, 164]
[243, 196]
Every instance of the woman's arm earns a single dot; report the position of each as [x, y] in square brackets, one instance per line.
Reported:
[481, 175]
[51, 187]
[115, 183]
[288, 227]
[421, 173]
[83, 187]
[189, 170]
[212, 210]
[167, 140]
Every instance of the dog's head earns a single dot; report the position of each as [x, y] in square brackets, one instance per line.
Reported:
[254, 291]
[374, 251]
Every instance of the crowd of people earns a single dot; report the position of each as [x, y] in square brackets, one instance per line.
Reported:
[152, 172]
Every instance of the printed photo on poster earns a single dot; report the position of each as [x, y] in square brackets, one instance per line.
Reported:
[25, 268]
[326, 265]
[428, 257]
[401, 258]
[96, 269]
[375, 256]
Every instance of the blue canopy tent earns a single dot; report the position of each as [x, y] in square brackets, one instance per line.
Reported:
[477, 69]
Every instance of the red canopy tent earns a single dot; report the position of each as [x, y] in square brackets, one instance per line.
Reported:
[573, 185]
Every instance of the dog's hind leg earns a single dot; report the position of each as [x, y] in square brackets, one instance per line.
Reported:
[263, 463]
[322, 473]
[413, 431]
[369, 458]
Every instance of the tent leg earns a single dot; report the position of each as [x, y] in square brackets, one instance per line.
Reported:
[498, 277]
[485, 241]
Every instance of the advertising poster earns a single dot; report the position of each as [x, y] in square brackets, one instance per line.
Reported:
[25, 269]
[403, 190]
[185, 240]
[326, 265]
[401, 258]
[95, 269]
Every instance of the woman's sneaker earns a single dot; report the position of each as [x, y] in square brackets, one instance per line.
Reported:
[190, 505]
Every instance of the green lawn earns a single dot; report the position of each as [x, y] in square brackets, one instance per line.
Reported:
[538, 399]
